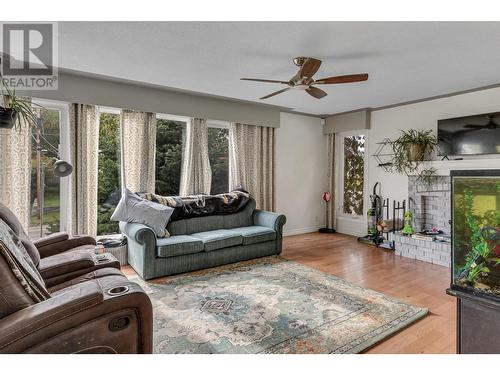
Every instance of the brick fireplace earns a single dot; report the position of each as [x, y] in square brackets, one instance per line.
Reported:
[431, 207]
[430, 204]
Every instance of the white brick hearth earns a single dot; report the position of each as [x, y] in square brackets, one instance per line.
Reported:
[426, 251]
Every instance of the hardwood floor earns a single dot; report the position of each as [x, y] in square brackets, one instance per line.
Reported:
[412, 281]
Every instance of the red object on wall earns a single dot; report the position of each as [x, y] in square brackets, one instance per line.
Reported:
[326, 196]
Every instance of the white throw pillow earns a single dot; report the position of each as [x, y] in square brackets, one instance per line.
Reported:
[134, 209]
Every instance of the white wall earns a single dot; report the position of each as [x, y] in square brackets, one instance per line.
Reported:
[300, 172]
[423, 115]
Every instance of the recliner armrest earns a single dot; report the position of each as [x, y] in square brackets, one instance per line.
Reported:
[64, 263]
[51, 239]
[60, 268]
[269, 219]
[65, 245]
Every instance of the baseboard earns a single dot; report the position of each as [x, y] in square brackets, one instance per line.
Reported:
[356, 231]
[351, 227]
[294, 232]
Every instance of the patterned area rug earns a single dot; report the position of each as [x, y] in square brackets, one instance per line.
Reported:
[270, 305]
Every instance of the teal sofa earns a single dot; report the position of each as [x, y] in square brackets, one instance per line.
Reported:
[204, 242]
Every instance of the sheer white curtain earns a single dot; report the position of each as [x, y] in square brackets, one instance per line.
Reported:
[138, 150]
[252, 162]
[196, 174]
[15, 169]
[84, 143]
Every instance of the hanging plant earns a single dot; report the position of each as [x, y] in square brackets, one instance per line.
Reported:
[15, 110]
[410, 150]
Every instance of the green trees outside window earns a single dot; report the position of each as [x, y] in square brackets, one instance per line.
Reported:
[108, 184]
[354, 157]
[218, 152]
[169, 135]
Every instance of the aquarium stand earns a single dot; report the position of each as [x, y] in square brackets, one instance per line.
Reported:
[478, 328]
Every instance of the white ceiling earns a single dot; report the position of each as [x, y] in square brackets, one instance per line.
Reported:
[406, 60]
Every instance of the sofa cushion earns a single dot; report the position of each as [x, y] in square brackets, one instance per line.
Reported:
[219, 239]
[255, 234]
[178, 245]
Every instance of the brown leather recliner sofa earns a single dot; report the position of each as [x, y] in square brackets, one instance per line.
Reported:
[58, 257]
[100, 311]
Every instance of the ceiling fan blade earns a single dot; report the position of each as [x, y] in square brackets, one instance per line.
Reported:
[275, 93]
[263, 80]
[317, 93]
[343, 79]
[309, 67]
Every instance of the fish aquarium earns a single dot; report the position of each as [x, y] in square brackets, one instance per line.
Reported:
[476, 232]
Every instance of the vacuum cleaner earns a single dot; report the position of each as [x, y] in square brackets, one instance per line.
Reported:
[374, 215]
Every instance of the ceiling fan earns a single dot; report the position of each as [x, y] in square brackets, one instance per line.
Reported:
[303, 80]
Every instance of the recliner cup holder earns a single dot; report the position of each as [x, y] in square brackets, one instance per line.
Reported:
[118, 290]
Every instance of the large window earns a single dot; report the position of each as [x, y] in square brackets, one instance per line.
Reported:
[353, 165]
[169, 136]
[108, 185]
[218, 152]
[45, 191]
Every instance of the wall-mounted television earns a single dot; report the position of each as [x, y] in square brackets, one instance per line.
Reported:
[470, 135]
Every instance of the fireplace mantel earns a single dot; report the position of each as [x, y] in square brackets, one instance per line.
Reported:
[443, 167]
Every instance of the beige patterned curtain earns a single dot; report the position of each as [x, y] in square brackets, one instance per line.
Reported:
[84, 143]
[330, 212]
[251, 162]
[138, 148]
[15, 169]
[196, 174]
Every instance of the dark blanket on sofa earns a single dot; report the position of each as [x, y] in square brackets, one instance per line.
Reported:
[201, 205]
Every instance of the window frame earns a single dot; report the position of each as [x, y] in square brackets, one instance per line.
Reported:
[168, 117]
[219, 124]
[65, 154]
[339, 145]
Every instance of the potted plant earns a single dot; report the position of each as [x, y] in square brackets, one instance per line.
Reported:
[411, 148]
[16, 110]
